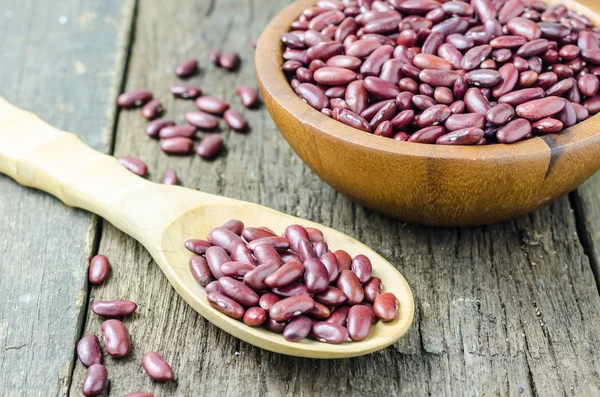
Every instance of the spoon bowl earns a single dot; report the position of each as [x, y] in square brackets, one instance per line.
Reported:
[163, 217]
[428, 184]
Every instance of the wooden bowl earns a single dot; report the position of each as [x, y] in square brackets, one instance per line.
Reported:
[428, 184]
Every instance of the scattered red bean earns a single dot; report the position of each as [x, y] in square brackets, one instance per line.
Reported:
[95, 380]
[187, 68]
[99, 268]
[229, 60]
[210, 146]
[202, 120]
[156, 367]
[153, 128]
[116, 338]
[152, 109]
[116, 308]
[134, 98]
[134, 165]
[88, 350]
[185, 91]
[169, 177]
[211, 105]
[176, 145]
[248, 96]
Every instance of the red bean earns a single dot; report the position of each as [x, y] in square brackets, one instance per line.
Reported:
[255, 279]
[241, 253]
[253, 233]
[238, 291]
[295, 289]
[88, 350]
[210, 146]
[359, 322]
[229, 60]
[344, 260]
[540, 108]
[134, 98]
[292, 306]
[154, 127]
[187, 68]
[267, 300]
[197, 246]
[330, 332]
[116, 338]
[156, 367]
[318, 312]
[386, 306]
[514, 131]
[177, 145]
[331, 296]
[236, 269]
[466, 120]
[152, 109]
[331, 264]
[185, 91]
[214, 286]
[235, 120]
[466, 136]
[547, 126]
[99, 269]
[248, 96]
[134, 165]
[475, 56]
[314, 96]
[185, 131]
[95, 380]
[255, 317]
[211, 105]
[116, 308]
[285, 275]
[297, 329]
[266, 254]
[500, 114]
[278, 243]
[521, 96]
[276, 326]
[202, 120]
[372, 289]
[225, 305]
[350, 285]
[588, 85]
[439, 78]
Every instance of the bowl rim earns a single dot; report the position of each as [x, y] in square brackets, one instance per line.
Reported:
[268, 62]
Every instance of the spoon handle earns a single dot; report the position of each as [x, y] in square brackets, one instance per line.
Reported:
[38, 155]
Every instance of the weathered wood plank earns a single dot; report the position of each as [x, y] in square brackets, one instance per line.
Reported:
[510, 309]
[63, 60]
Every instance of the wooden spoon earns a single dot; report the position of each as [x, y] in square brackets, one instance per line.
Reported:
[162, 217]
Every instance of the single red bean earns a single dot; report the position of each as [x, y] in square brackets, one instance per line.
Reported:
[439, 78]
[500, 114]
[429, 61]
[475, 56]
[176, 145]
[372, 289]
[292, 306]
[483, 77]
[466, 136]
[560, 88]
[509, 42]
[592, 104]
[116, 338]
[134, 98]
[581, 112]
[255, 317]
[116, 308]
[185, 131]
[196, 246]
[235, 120]
[344, 260]
[321, 248]
[225, 238]
[211, 105]
[386, 306]
[318, 312]
[324, 51]
[152, 109]
[202, 120]
[350, 285]
[266, 254]
[524, 27]
[213, 286]
[476, 102]
[457, 107]
[268, 300]
[316, 276]
[547, 126]
[154, 127]
[200, 270]
[253, 233]
[314, 96]
[169, 177]
[295, 289]
[314, 235]
[518, 97]
[236, 269]
[540, 108]
[276, 326]
[514, 131]
[88, 350]
[216, 256]
[567, 115]
[185, 91]
[359, 322]
[285, 275]
[502, 55]
[427, 134]
[291, 66]
[363, 48]
[99, 269]
[225, 305]
[546, 80]
[95, 380]
[187, 68]
[241, 253]
[134, 165]
[423, 102]
[330, 332]
[297, 329]
[248, 96]
[210, 146]
[588, 85]
[466, 120]
[279, 243]
[238, 291]
[156, 367]
[339, 316]
[229, 60]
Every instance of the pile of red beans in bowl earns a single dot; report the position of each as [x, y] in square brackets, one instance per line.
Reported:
[446, 72]
[291, 283]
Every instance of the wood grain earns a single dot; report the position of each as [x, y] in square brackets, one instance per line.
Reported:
[510, 309]
[64, 60]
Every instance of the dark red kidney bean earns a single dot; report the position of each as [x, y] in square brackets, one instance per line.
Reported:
[567, 115]
[457, 8]
[532, 15]
[475, 56]
[235, 226]
[267, 300]
[509, 42]
[285, 275]
[213, 57]
[295, 233]
[253, 233]
[408, 84]
[176, 145]
[484, 9]
[235, 120]
[213, 286]
[404, 100]
[295, 289]
[297, 329]
[202, 120]
[457, 107]
[430, 61]
[552, 30]
[88, 350]
[344, 61]
[527, 79]
[99, 269]
[211, 105]
[276, 326]
[547, 126]
[427, 134]
[533, 47]
[372, 289]
[316, 276]
[363, 48]
[488, 64]
[314, 96]
[540, 108]
[411, 71]
[359, 322]
[134, 98]
[156, 367]
[350, 285]
[115, 308]
[304, 75]
[373, 65]
[314, 235]
[569, 52]
[197, 246]
[581, 112]
[476, 102]
[515, 98]
[255, 279]
[501, 55]
[94, 380]
[185, 131]
[439, 78]
[500, 114]
[483, 77]
[255, 317]
[466, 120]
[279, 243]
[357, 96]
[458, 42]
[433, 115]
[577, 65]
[550, 56]
[229, 60]
[238, 291]
[337, 103]
[386, 306]
[514, 131]
[524, 27]
[381, 88]
[347, 27]
[200, 270]
[318, 312]
[383, 25]
[225, 305]
[324, 51]
[403, 54]
[313, 38]
[335, 92]
[560, 88]
[169, 177]
[116, 338]
[154, 127]
[210, 146]
[266, 255]
[241, 253]
[236, 269]
[407, 38]
[339, 316]
[248, 96]
[546, 80]
[402, 119]
[152, 109]
[344, 260]
[384, 114]
[562, 71]
[224, 238]
[290, 307]
[466, 136]
[432, 43]
[451, 25]
[321, 248]
[187, 68]
[288, 256]
[331, 296]
[449, 53]
[292, 41]
[352, 119]
[592, 104]
[460, 87]
[331, 332]
[216, 256]
[588, 85]
[291, 66]
[423, 102]
[509, 10]
[587, 40]
[134, 165]
[326, 19]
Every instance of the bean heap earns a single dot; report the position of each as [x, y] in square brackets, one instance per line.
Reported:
[178, 139]
[116, 339]
[446, 72]
[293, 284]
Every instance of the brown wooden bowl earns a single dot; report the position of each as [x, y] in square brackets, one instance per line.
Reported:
[428, 184]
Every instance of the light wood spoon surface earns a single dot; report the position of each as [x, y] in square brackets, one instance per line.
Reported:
[162, 217]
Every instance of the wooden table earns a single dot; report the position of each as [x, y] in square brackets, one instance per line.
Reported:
[508, 309]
